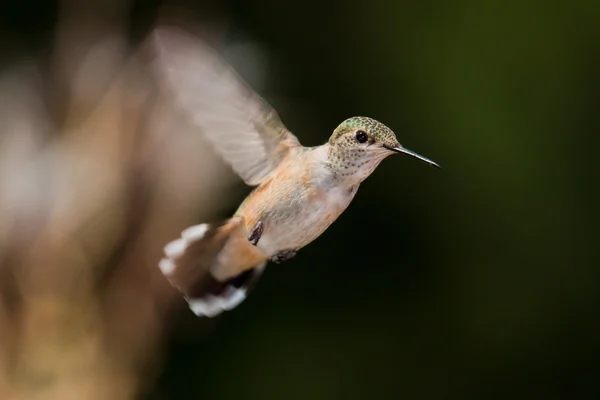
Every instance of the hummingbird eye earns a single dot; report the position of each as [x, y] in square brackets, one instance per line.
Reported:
[361, 136]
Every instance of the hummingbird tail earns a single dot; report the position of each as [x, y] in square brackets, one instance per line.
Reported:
[205, 265]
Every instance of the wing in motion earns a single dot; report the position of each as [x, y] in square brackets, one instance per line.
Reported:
[243, 128]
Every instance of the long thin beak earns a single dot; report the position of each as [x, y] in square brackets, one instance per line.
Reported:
[400, 149]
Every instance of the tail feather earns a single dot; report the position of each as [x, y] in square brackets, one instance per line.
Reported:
[192, 265]
[227, 295]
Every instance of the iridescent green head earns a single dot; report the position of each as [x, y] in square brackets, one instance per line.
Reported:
[358, 145]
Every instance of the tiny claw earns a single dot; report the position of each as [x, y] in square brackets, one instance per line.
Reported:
[256, 234]
[283, 255]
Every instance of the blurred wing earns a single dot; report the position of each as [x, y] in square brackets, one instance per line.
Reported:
[243, 128]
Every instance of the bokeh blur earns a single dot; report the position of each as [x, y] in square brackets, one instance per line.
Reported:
[480, 281]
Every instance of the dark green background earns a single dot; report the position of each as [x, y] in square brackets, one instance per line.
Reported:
[475, 282]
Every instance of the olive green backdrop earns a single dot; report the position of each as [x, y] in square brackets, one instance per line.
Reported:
[479, 281]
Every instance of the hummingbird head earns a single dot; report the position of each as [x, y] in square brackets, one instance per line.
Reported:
[359, 144]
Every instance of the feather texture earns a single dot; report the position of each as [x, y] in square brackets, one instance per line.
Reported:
[241, 126]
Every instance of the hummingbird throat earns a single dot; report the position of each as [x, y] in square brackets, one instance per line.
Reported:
[353, 165]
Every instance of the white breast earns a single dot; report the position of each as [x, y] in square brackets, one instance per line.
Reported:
[305, 223]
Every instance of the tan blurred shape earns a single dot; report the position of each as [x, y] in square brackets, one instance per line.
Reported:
[97, 172]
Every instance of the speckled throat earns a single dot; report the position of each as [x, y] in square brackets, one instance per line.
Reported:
[352, 164]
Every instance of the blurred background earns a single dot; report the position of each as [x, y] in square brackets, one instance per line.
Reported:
[480, 281]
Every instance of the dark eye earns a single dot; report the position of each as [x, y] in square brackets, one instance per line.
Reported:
[361, 136]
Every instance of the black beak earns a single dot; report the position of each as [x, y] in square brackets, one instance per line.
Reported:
[400, 149]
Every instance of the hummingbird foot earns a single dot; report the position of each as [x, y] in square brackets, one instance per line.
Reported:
[254, 237]
[283, 255]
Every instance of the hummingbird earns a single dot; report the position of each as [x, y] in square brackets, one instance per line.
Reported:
[298, 191]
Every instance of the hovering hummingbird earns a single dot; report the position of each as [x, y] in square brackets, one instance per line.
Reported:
[300, 191]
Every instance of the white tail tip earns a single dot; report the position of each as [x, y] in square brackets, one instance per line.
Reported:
[194, 232]
[176, 248]
[211, 306]
[166, 266]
